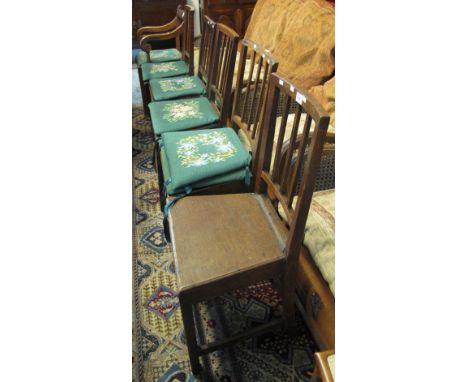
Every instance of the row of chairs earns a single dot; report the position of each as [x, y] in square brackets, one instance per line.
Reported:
[231, 166]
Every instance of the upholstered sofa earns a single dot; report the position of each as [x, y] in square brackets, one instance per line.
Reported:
[301, 36]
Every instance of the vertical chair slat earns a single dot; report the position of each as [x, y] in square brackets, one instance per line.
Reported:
[252, 62]
[279, 144]
[296, 169]
[259, 68]
[290, 151]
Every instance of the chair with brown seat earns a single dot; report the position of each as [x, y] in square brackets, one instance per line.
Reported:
[169, 68]
[226, 242]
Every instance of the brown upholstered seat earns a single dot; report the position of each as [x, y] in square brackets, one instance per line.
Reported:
[219, 235]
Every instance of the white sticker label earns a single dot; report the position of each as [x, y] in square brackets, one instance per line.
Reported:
[281, 82]
[263, 55]
[268, 60]
[299, 98]
[291, 88]
[255, 46]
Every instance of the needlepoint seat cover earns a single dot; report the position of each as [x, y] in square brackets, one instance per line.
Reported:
[170, 88]
[207, 230]
[203, 158]
[163, 69]
[184, 114]
[159, 55]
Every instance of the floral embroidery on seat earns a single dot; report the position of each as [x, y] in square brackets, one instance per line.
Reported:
[188, 149]
[163, 67]
[184, 83]
[157, 54]
[178, 111]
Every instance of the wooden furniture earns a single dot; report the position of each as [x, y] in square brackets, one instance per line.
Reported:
[152, 12]
[246, 117]
[167, 31]
[315, 301]
[184, 31]
[189, 86]
[234, 13]
[251, 93]
[226, 242]
[220, 73]
[322, 371]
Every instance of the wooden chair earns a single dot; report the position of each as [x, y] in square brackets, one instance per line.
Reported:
[201, 112]
[226, 242]
[188, 86]
[153, 34]
[324, 367]
[218, 178]
[149, 70]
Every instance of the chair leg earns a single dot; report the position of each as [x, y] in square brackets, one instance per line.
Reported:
[144, 92]
[288, 310]
[146, 99]
[190, 334]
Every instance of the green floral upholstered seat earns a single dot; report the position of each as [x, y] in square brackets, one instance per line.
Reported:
[170, 88]
[160, 55]
[163, 69]
[184, 114]
[202, 158]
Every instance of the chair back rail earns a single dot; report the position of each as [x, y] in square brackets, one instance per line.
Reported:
[251, 92]
[222, 70]
[206, 49]
[171, 25]
[281, 180]
[187, 37]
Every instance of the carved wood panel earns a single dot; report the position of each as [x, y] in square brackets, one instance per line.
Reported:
[234, 13]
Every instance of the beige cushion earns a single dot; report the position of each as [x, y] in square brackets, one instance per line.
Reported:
[319, 236]
[301, 36]
[331, 364]
[325, 94]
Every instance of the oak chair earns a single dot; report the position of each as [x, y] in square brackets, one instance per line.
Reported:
[210, 111]
[188, 86]
[153, 34]
[324, 369]
[184, 66]
[226, 242]
[232, 172]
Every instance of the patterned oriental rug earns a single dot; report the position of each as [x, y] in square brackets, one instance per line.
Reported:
[159, 349]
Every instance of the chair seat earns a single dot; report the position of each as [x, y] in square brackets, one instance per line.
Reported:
[165, 55]
[203, 158]
[163, 69]
[184, 114]
[159, 55]
[222, 235]
[170, 88]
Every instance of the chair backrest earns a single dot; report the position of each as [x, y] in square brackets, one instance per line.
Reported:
[187, 37]
[222, 70]
[206, 49]
[254, 69]
[280, 183]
